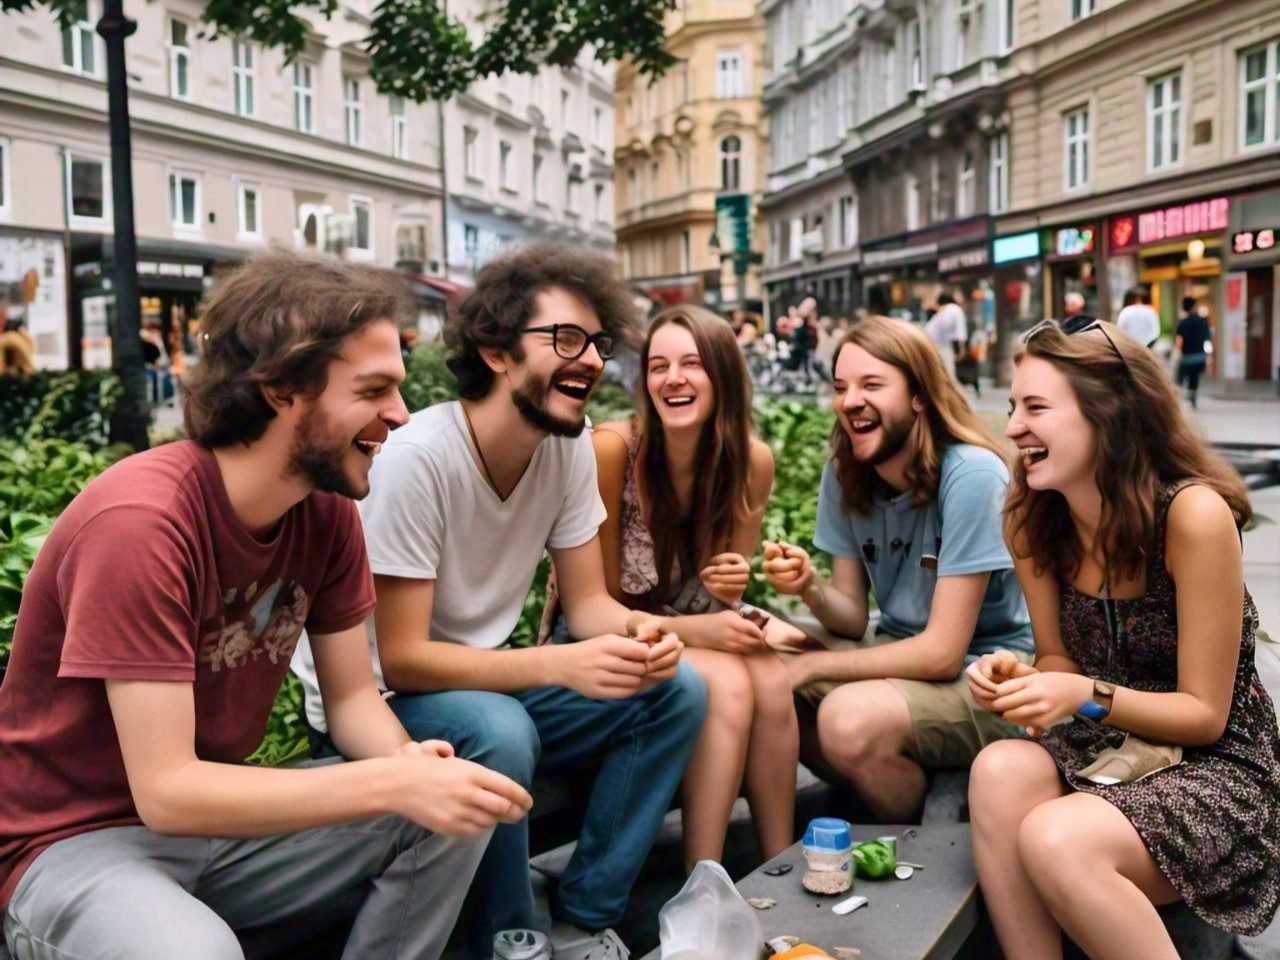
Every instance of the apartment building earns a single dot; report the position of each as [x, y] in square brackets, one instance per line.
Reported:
[528, 158]
[889, 148]
[234, 150]
[1145, 151]
[690, 161]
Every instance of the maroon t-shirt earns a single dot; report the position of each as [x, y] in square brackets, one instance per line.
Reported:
[149, 575]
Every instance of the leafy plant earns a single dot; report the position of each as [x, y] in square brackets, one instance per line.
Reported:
[286, 738]
[21, 536]
[427, 379]
[63, 405]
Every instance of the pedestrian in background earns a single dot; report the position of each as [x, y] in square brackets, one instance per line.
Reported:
[948, 330]
[1193, 335]
[1139, 319]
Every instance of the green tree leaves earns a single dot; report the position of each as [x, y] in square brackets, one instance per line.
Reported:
[419, 52]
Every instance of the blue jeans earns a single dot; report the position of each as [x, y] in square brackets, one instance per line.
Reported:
[640, 745]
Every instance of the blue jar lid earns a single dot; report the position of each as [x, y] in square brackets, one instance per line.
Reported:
[828, 833]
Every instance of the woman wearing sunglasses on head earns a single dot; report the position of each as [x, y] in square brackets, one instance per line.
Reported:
[685, 484]
[1154, 772]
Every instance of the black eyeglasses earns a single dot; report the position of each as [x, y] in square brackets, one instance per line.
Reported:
[1080, 323]
[570, 341]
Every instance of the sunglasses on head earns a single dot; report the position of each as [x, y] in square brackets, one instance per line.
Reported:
[1080, 323]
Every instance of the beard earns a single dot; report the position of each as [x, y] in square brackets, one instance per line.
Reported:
[896, 434]
[321, 460]
[531, 401]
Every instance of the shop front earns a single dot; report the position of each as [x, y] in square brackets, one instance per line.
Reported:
[1073, 259]
[33, 301]
[1017, 294]
[1249, 335]
[1174, 252]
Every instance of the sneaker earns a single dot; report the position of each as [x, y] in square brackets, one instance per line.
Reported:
[572, 943]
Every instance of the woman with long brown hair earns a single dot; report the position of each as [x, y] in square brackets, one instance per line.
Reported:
[685, 484]
[1165, 785]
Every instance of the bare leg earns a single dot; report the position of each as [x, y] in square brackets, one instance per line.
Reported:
[714, 774]
[864, 728]
[772, 754]
[1008, 780]
[1097, 878]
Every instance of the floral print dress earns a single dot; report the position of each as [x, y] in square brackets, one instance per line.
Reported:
[1211, 823]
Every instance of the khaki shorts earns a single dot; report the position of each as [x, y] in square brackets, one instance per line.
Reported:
[947, 725]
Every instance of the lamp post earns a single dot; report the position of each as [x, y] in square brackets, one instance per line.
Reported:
[129, 422]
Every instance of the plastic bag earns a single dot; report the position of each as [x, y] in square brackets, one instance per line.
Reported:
[709, 920]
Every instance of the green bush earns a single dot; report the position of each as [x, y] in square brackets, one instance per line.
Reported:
[59, 405]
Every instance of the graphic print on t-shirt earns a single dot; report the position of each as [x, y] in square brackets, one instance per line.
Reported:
[260, 621]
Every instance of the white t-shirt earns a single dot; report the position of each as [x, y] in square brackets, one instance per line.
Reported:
[431, 515]
[1141, 322]
[948, 325]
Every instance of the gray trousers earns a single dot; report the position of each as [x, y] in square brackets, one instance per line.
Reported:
[127, 893]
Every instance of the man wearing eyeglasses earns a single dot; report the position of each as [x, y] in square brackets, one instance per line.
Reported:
[467, 497]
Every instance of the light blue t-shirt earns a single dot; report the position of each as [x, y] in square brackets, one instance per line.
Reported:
[905, 548]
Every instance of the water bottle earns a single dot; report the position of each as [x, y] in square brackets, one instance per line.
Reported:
[521, 945]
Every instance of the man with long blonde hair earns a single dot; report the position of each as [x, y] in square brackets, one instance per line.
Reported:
[910, 506]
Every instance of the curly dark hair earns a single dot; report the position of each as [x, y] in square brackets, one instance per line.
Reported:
[496, 312]
[278, 321]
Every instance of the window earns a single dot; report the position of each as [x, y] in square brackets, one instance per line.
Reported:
[564, 105]
[571, 194]
[966, 202]
[848, 222]
[249, 212]
[1076, 126]
[399, 129]
[184, 201]
[79, 52]
[471, 152]
[1008, 17]
[88, 191]
[179, 59]
[913, 202]
[686, 252]
[731, 164]
[1260, 95]
[504, 164]
[411, 241]
[304, 108]
[5, 193]
[242, 78]
[633, 191]
[653, 180]
[352, 110]
[729, 79]
[915, 52]
[682, 168]
[889, 72]
[361, 225]
[470, 242]
[1080, 9]
[998, 172]
[597, 205]
[794, 233]
[597, 126]
[1164, 122]
[851, 104]
[537, 178]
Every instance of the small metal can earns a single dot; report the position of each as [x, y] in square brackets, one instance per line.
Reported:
[521, 945]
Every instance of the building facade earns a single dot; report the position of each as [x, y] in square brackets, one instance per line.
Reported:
[889, 150]
[690, 161]
[1145, 152]
[528, 158]
[233, 151]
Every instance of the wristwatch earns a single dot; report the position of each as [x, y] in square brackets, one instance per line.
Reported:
[1098, 707]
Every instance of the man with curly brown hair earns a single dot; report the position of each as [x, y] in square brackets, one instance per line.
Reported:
[156, 627]
[466, 498]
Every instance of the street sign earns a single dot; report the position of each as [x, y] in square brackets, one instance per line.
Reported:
[733, 223]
